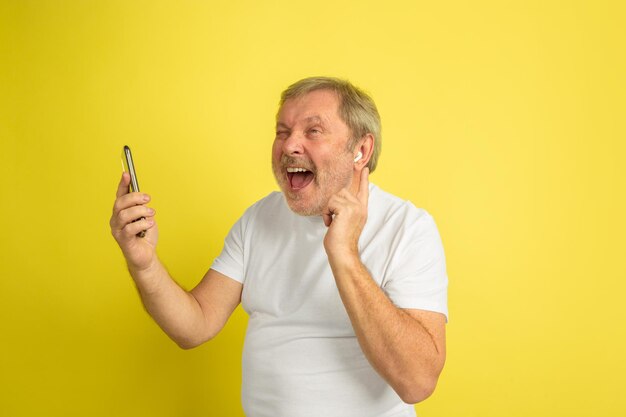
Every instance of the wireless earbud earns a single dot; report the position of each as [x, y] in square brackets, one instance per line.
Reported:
[358, 156]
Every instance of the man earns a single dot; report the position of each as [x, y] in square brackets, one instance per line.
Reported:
[345, 285]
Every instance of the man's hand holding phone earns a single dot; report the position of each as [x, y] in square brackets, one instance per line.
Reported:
[131, 216]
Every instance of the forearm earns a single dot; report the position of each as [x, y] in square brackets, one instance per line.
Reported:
[175, 310]
[396, 344]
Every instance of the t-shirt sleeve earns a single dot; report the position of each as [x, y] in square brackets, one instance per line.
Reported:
[231, 261]
[418, 277]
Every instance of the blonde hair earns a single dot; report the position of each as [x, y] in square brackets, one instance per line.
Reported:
[356, 109]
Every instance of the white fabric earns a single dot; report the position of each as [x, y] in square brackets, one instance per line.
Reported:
[301, 356]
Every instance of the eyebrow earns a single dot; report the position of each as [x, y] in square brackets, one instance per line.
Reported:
[310, 119]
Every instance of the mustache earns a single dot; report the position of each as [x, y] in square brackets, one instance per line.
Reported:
[287, 160]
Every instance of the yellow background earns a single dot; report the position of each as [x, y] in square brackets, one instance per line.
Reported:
[505, 120]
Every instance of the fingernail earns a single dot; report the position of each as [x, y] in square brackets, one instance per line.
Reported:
[146, 197]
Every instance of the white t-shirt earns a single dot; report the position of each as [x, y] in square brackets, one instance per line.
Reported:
[301, 356]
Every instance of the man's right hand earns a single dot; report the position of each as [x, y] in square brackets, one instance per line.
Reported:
[190, 318]
[140, 252]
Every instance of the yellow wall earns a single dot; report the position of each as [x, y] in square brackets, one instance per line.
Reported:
[504, 119]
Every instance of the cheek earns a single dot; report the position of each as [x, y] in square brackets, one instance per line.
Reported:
[338, 164]
[276, 151]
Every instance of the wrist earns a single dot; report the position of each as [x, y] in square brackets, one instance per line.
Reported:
[344, 260]
[147, 273]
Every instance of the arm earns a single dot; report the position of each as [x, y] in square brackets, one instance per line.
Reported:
[406, 347]
[188, 318]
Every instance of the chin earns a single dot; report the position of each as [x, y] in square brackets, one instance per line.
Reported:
[302, 207]
[309, 203]
[304, 211]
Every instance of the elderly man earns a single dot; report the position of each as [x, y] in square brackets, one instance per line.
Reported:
[345, 285]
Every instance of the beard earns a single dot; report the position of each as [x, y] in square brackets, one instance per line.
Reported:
[326, 182]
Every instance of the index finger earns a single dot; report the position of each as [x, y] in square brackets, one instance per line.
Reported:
[364, 190]
[122, 187]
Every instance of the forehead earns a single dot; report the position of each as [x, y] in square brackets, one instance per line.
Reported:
[319, 104]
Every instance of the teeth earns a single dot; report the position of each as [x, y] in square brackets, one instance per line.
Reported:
[296, 170]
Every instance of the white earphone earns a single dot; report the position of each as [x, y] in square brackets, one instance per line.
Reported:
[358, 156]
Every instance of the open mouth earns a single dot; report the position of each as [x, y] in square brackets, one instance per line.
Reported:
[299, 177]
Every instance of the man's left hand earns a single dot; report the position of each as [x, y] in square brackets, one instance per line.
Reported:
[345, 218]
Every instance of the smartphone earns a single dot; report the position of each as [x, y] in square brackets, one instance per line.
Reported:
[129, 166]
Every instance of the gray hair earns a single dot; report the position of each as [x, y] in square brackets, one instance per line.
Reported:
[356, 109]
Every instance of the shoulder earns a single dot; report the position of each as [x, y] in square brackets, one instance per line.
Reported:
[272, 202]
[268, 209]
[387, 208]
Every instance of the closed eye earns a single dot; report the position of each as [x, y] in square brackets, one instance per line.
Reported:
[281, 134]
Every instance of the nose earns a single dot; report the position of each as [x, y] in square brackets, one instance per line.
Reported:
[293, 145]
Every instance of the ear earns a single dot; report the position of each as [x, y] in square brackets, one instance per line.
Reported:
[366, 147]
